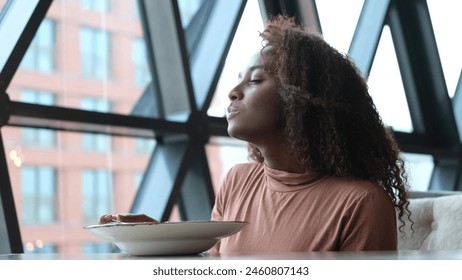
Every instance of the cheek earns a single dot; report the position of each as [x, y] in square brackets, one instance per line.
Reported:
[269, 110]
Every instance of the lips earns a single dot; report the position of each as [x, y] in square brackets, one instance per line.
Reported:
[232, 111]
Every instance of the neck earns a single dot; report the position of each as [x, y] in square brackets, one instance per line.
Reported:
[278, 156]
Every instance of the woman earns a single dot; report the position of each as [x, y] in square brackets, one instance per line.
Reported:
[326, 174]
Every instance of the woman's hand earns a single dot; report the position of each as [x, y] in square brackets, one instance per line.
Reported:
[127, 218]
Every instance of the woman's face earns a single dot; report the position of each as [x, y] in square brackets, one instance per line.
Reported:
[254, 114]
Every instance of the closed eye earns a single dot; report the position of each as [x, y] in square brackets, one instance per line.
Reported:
[255, 81]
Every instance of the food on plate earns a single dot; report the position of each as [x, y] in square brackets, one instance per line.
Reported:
[127, 218]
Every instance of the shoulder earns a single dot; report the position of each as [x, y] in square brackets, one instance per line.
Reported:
[352, 185]
[353, 191]
[243, 174]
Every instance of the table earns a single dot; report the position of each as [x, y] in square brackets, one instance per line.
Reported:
[386, 255]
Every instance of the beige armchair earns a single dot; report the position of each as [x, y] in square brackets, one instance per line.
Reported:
[437, 222]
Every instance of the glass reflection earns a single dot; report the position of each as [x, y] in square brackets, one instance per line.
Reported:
[59, 190]
[88, 49]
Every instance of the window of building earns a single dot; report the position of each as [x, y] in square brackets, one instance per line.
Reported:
[96, 194]
[38, 186]
[40, 55]
[95, 51]
[99, 247]
[142, 75]
[93, 141]
[38, 137]
[102, 6]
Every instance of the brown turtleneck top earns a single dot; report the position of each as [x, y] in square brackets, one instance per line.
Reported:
[290, 212]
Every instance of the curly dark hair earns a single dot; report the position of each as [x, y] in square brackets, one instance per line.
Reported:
[331, 123]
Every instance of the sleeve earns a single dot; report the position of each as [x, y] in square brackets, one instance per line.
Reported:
[372, 224]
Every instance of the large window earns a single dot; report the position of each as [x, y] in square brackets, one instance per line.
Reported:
[40, 55]
[88, 66]
[95, 50]
[38, 194]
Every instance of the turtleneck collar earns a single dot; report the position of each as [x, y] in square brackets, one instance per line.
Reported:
[282, 181]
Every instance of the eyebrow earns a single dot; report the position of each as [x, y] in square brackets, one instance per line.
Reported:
[251, 68]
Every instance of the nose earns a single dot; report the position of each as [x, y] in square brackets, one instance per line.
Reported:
[235, 94]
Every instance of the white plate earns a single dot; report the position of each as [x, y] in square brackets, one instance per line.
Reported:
[171, 238]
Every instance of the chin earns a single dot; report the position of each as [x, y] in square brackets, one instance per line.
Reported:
[235, 133]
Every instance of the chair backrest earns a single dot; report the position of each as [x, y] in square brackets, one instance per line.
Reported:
[437, 223]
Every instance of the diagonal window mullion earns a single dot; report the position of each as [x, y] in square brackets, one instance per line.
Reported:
[162, 180]
[457, 105]
[165, 41]
[422, 73]
[211, 46]
[19, 21]
[367, 34]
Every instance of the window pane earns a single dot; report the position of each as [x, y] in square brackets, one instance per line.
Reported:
[93, 247]
[188, 8]
[222, 154]
[386, 86]
[94, 141]
[43, 138]
[419, 168]
[91, 56]
[95, 45]
[97, 6]
[40, 55]
[142, 76]
[96, 194]
[47, 194]
[28, 194]
[38, 194]
[446, 20]
[245, 43]
[338, 21]
[56, 178]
